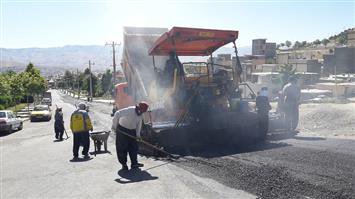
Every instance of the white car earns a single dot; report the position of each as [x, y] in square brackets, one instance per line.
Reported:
[47, 101]
[41, 112]
[9, 122]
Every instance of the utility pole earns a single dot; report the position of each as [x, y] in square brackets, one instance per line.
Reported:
[113, 45]
[336, 81]
[90, 79]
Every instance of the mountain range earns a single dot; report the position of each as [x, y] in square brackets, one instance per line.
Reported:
[54, 59]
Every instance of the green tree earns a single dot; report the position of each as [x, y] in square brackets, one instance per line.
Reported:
[5, 98]
[317, 42]
[304, 44]
[34, 84]
[106, 81]
[341, 40]
[288, 43]
[87, 82]
[297, 45]
[286, 72]
[325, 42]
[30, 68]
[17, 90]
[68, 79]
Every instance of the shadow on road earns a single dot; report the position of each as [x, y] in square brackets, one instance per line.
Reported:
[100, 152]
[4, 134]
[134, 175]
[80, 160]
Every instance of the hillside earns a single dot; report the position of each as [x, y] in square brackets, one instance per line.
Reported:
[68, 57]
[54, 60]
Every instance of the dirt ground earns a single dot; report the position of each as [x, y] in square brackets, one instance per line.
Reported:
[328, 120]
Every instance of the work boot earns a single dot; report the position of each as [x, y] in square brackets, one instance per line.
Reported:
[86, 156]
[137, 165]
[75, 158]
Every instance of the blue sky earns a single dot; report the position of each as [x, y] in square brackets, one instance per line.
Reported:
[51, 23]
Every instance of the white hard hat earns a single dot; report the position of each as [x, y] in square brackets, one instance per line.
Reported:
[82, 106]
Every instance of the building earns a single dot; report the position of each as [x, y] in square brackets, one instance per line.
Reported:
[270, 50]
[304, 65]
[341, 61]
[338, 89]
[258, 46]
[351, 37]
[268, 68]
[261, 47]
[249, 63]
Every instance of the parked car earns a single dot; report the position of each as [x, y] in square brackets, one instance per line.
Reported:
[47, 101]
[9, 122]
[41, 112]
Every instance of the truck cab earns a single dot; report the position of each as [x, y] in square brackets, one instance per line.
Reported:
[122, 97]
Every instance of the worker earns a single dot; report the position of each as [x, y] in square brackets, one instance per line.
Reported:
[58, 124]
[263, 107]
[80, 124]
[128, 121]
[171, 65]
[291, 96]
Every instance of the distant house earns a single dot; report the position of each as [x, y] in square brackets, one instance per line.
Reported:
[261, 47]
[351, 37]
[338, 89]
[341, 61]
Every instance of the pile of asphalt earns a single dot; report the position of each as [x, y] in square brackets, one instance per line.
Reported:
[275, 170]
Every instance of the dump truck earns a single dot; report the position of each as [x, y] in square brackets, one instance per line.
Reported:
[191, 103]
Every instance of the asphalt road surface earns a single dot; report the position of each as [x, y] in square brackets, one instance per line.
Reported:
[34, 165]
[285, 166]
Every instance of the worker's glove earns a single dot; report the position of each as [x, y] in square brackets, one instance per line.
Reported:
[139, 139]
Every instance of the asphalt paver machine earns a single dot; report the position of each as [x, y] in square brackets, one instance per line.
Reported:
[191, 102]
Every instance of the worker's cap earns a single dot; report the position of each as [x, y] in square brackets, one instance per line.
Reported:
[82, 106]
[143, 106]
[59, 108]
[264, 88]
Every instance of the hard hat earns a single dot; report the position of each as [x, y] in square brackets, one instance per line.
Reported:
[82, 106]
[143, 106]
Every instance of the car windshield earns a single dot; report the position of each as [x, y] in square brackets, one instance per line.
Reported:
[2, 115]
[41, 108]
